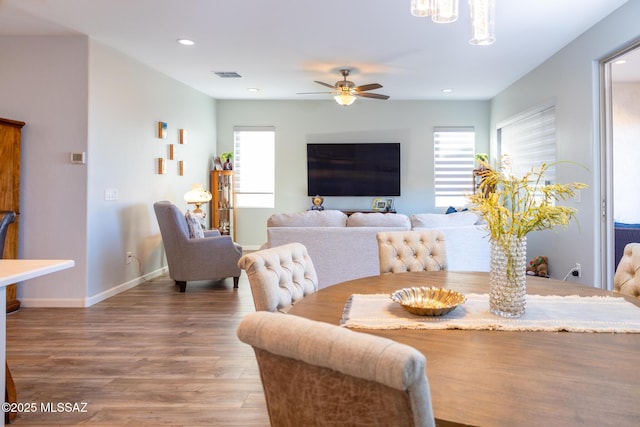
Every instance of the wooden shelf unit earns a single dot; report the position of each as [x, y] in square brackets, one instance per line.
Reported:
[10, 135]
[223, 202]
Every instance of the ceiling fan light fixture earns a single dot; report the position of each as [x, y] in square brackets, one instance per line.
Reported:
[482, 20]
[421, 8]
[444, 11]
[344, 98]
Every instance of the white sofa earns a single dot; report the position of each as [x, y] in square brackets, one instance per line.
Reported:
[465, 237]
[345, 247]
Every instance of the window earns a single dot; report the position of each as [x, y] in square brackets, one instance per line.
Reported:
[453, 164]
[530, 140]
[254, 155]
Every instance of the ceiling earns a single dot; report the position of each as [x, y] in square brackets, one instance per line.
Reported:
[281, 46]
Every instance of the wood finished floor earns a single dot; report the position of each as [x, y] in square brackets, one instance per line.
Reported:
[150, 356]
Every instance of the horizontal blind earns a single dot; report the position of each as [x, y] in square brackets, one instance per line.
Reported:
[530, 140]
[254, 164]
[454, 150]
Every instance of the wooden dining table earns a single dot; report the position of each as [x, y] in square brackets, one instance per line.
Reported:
[509, 378]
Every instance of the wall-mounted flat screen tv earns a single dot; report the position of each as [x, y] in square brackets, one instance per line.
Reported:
[353, 169]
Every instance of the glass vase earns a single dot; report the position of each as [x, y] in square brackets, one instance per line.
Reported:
[507, 277]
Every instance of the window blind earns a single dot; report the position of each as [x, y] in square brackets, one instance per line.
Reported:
[254, 165]
[454, 150]
[530, 140]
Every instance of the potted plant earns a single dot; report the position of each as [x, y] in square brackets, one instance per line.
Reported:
[226, 159]
[513, 207]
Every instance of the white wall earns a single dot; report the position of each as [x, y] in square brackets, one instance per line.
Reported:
[127, 100]
[297, 122]
[78, 95]
[44, 82]
[571, 77]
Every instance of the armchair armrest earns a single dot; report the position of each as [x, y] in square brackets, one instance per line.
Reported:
[212, 233]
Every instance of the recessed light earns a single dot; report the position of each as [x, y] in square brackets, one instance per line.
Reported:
[620, 61]
[186, 42]
[253, 89]
[447, 90]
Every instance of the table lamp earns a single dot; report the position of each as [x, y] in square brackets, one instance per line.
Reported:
[198, 196]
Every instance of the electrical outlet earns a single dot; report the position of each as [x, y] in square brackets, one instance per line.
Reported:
[129, 257]
[577, 270]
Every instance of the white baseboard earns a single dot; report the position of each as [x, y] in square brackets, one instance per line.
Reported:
[88, 302]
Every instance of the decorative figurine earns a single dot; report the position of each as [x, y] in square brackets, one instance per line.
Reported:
[317, 203]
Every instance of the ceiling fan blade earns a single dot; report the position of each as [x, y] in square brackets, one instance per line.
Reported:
[371, 86]
[372, 95]
[325, 84]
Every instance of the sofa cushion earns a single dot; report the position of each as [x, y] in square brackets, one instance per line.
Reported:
[195, 228]
[327, 218]
[378, 219]
[456, 219]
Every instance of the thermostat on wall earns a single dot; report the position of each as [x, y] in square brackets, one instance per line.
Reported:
[80, 158]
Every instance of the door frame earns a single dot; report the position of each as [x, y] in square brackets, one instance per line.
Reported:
[607, 236]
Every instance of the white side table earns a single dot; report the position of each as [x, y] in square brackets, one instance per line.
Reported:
[18, 270]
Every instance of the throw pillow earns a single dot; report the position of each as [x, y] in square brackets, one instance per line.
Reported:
[326, 218]
[378, 219]
[195, 228]
[456, 219]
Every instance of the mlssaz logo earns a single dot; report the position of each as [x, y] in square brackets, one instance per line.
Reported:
[63, 407]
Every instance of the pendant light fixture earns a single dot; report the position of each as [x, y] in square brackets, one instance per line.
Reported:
[444, 11]
[482, 20]
[421, 8]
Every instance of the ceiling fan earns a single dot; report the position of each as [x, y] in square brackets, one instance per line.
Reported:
[345, 91]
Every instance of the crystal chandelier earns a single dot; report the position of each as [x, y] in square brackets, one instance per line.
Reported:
[481, 16]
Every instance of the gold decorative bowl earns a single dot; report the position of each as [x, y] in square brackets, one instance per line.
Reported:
[428, 301]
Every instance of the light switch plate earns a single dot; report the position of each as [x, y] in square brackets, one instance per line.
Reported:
[111, 194]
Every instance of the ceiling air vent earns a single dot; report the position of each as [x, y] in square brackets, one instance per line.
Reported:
[227, 74]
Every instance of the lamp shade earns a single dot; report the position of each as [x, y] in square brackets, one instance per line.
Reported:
[482, 19]
[444, 11]
[197, 194]
[420, 8]
[345, 98]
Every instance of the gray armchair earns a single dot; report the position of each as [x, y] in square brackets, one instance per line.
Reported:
[211, 257]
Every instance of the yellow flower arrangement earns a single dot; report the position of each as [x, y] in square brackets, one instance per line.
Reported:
[513, 207]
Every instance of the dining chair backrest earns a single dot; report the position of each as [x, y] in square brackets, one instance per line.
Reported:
[279, 276]
[627, 277]
[8, 217]
[318, 374]
[416, 250]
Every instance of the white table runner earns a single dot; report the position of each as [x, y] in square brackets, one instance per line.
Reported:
[543, 313]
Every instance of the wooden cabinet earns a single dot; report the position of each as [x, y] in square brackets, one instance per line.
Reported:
[223, 202]
[10, 134]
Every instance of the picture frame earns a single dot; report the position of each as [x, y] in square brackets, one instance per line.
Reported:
[181, 167]
[161, 166]
[183, 136]
[389, 206]
[171, 151]
[378, 204]
[162, 130]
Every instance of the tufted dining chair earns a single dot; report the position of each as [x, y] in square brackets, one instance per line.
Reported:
[402, 251]
[7, 218]
[317, 374]
[279, 276]
[627, 277]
